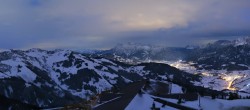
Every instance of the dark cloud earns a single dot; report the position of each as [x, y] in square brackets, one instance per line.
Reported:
[103, 24]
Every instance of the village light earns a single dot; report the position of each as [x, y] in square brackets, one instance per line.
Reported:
[230, 80]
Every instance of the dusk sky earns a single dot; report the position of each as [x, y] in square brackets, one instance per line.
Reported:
[101, 24]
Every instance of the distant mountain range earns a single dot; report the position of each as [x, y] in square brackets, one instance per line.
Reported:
[136, 53]
[222, 54]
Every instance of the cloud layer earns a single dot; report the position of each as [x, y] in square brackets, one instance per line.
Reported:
[102, 24]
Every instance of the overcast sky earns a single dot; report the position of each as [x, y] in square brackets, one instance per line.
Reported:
[101, 24]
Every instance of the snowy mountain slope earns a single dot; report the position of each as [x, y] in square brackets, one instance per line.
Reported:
[47, 78]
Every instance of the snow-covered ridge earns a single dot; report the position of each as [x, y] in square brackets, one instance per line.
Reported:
[242, 41]
[132, 48]
[238, 42]
[55, 71]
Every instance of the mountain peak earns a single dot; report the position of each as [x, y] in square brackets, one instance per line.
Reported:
[235, 43]
[242, 41]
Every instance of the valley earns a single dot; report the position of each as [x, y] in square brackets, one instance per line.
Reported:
[60, 78]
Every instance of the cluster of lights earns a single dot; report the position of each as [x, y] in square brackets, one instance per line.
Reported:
[230, 80]
[182, 65]
[206, 74]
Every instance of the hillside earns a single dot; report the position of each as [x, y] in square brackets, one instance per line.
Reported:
[46, 78]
